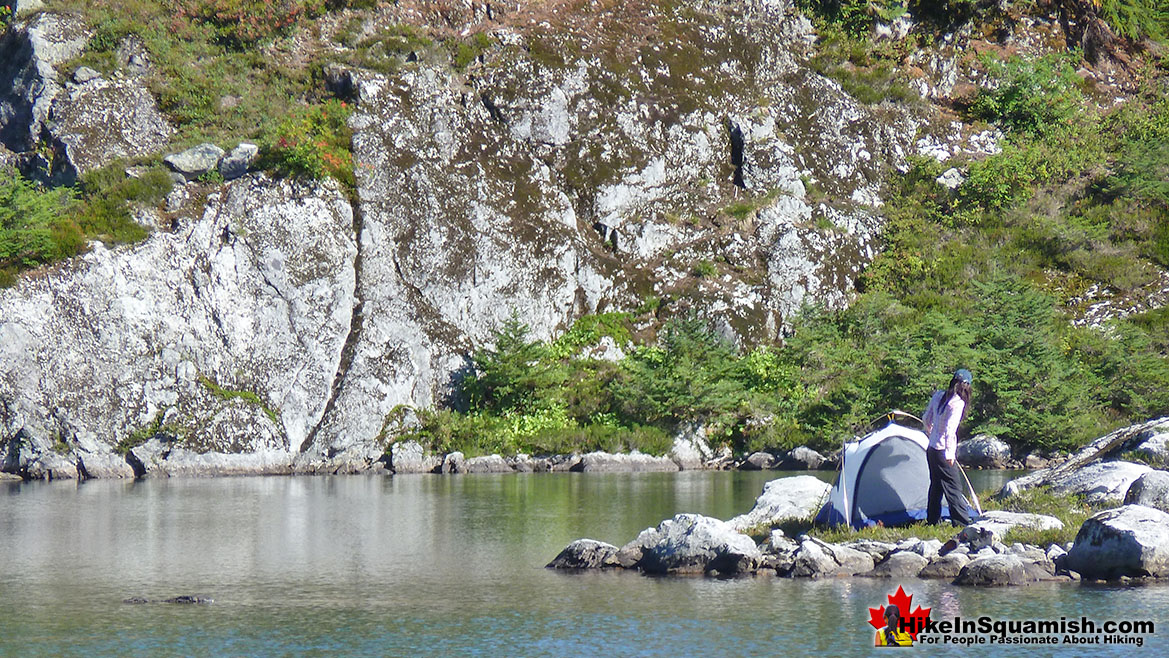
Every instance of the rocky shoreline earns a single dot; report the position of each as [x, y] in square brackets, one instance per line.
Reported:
[1125, 543]
[160, 457]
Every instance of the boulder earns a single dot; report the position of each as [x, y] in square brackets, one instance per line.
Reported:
[454, 463]
[52, 466]
[521, 463]
[815, 559]
[410, 457]
[585, 554]
[691, 543]
[877, 549]
[951, 178]
[630, 554]
[1103, 482]
[779, 553]
[944, 566]
[488, 464]
[690, 451]
[901, 564]
[993, 571]
[758, 461]
[604, 462]
[801, 458]
[182, 462]
[926, 548]
[195, 161]
[784, 499]
[104, 120]
[236, 164]
[1150, 490]
[10, 477]
[984, 451]
[1128, 541]
[993, 526]
[556, 464]
[103, 465]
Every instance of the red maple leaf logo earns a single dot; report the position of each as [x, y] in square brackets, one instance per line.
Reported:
[911, 623]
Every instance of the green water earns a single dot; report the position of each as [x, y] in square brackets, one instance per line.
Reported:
[433, 565]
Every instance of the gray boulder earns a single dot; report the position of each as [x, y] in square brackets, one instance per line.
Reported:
[84, 74]
[103, 465]
[99, 122]
[236, 164]
[926, 548]
[801, 458]
[901, 564]
[1128, 541]
[944, 566]
[993, 525]
[758, 461]
[410, 457]
[630, 554]
[993, 571]
[453, 464]
[690, 450]
[779, 553]
[782, 500]
[10, 477]
[1102, 482]
[52, 466]
[691, 543]
[488, 464]
[603, 462]
[877, 549]
[585, 554]
[182, 462]
[816, 559]
[1150, 490]
[984, 451]
[195, 161]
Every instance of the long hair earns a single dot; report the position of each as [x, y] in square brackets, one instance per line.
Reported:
[959, 388]
[893, 619]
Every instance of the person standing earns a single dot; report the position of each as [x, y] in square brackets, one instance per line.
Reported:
[941, 418]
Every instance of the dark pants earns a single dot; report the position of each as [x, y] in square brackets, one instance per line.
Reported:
[944, 478]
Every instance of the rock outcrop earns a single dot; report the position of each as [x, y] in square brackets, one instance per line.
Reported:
[694, 544]
[784, 499]
[1104, 482]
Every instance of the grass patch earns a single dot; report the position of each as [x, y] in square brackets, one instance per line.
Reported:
[1071, 510]
[247, 396]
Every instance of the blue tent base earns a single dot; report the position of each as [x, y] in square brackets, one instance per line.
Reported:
[832, 517]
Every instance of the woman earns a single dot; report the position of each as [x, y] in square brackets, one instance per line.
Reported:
[891, 635]
[946, 409]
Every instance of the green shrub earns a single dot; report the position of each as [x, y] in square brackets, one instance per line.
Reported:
[36, 225]
[313, 141]
[1136, 19]
[1032, 95]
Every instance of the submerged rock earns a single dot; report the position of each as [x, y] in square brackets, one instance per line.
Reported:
[585, 554]
[784, 499]
[1128, 541]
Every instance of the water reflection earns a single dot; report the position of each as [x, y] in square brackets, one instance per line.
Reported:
[383, 565]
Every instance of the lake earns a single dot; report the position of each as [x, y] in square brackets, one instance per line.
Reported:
[446, 565]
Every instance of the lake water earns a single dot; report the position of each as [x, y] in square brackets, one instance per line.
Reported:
[436, 565]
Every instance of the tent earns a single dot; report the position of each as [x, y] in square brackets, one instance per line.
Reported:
[883, 479]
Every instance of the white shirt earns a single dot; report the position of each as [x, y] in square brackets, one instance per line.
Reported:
[942, 428]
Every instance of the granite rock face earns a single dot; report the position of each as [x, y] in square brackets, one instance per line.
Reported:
[691, 543]
[226, 334]
[1150, 490]
[1101, 482]
[279, 317]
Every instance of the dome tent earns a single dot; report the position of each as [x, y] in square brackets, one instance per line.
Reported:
[883, 479]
